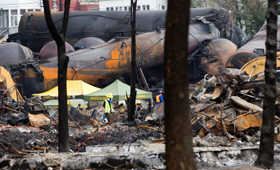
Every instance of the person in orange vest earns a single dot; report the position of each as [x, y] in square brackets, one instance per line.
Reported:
[159, 98]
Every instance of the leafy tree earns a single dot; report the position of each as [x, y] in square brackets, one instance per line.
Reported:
[249, 15]
[199, 3]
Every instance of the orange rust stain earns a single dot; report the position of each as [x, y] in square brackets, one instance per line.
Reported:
[158, 50]
[118, 56]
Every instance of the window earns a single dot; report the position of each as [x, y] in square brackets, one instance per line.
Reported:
[14, 17]
[143, 7]
[117, 8]
[163, 7]
[37, 9]
[125, 8]
[107, 9]
[93, 9]
[112, 9]
[138, 7]
[3, 19]
[120, 8]
[22, 11]
[148, 7]
[30, 10]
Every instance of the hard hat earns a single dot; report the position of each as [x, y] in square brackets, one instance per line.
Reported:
[109, 95]
[138, 102]
[68, 102]
[159, 92]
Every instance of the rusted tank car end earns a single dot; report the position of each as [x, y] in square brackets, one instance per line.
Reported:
[49, 50]
[239, 59]
[216, 55]
[11, 53]
[210, 57]
[252, 49]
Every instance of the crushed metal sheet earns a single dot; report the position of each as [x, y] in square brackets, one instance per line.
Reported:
[246, 121]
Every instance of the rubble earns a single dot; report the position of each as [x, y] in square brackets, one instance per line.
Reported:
[229, 105]
[226, 116]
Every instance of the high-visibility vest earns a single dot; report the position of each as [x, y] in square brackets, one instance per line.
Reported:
[157, 98]
[108, 107]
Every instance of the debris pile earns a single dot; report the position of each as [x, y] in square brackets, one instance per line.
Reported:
[228, 105]
[37, 130]
[225, 111]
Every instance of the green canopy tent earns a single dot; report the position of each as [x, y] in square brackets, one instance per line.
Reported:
[119, 91]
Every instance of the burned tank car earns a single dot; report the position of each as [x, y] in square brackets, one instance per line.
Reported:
[254, 48]
[11, 53]
[99, 63]
[33, 31]
[213, 39]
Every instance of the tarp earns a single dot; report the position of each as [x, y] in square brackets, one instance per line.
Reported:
[119, 91]
[75, 89]
[74, 103]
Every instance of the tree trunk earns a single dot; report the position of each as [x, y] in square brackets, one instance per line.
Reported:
[63, 134]
[179, 149]
[266, 153]
[131, 110]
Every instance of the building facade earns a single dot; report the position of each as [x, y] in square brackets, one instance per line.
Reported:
[12, 10]
[76, 5]
[124, 5]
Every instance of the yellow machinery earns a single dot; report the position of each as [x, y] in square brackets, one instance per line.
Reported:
[8, 85]
[257, 65]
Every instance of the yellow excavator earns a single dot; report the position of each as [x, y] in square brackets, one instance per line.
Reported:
[257, 65]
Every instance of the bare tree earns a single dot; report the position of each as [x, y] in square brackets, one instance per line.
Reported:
[179, 149]
[131, 109]
[63, 134]
[266, 153]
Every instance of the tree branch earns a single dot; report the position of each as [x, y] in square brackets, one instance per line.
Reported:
[55, 34]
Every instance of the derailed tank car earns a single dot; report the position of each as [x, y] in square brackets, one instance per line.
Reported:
[97, 64]
[33, 31]
[209, 27]
[254, 48]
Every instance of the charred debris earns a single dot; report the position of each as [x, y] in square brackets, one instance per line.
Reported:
[227, 106]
